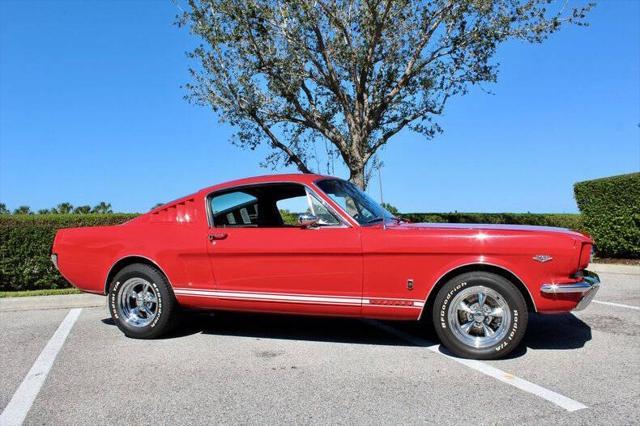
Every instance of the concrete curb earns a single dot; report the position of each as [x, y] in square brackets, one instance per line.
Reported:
[63, 301]
[615, 269]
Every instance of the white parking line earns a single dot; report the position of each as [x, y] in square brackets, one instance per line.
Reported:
[16, 411]
[619, 305]
[551, 396]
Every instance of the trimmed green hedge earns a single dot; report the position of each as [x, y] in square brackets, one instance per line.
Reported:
[25, 241]
[611, 211]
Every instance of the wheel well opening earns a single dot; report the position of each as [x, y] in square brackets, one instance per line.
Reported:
[480, 267]
[117, 267]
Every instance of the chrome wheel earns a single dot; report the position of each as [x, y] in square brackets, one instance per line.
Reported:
[479, 317]
[138, 302]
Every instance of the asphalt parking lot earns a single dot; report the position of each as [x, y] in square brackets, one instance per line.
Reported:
[233, 368]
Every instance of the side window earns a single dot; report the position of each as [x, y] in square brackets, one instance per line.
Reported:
[235, 209]
[267, 206]
[353, 201]
[319, 210]
[291, 208]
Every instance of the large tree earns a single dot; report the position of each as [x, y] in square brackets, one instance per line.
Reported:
[351, 73]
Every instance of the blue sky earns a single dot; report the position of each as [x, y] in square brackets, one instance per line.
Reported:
[91, 109]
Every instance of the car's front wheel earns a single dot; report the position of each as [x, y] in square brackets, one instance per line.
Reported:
[141, 302]
[480, 315]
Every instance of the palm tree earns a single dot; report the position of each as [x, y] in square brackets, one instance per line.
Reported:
[64, 208]
[4, 209]
[23, 210]
[82, 209]
[102, 208]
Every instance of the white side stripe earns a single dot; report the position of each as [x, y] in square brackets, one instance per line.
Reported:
[265, 296]
[281, 297]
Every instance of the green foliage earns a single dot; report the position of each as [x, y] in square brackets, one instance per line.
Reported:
[294, 74]
[611, 210]
[62, 208]
[86, 209]
[391, 209]
[102, 208]
[288, 217]
[570, 221]
[23, 210]
[25, 242]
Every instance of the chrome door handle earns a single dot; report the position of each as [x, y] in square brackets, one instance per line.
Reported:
[218, 236]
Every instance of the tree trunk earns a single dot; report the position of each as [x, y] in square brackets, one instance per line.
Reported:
[358, 177]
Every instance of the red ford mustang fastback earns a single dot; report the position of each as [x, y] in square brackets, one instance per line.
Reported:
[317, 245]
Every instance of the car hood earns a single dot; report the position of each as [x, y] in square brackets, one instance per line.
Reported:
[491, 227]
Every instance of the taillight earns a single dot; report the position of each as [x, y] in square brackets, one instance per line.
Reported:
[585, 256]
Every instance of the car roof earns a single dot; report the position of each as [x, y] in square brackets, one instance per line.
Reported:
[304, 178]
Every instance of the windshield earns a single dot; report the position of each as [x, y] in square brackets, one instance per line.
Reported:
[354, 201]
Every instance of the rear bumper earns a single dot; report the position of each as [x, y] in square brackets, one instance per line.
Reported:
[587, 289]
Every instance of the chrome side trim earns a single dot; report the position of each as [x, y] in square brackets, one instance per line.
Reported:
[580, 287]
[588, 288]
[533, 301]
[106, 279]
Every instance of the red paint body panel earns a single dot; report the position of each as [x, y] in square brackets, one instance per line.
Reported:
[348, 270]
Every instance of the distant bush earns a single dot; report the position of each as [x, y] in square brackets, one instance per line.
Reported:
[25, 241]
[62, 208]
[611, 211]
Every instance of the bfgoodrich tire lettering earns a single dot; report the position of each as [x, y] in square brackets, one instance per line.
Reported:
[141, 302]
[480, 315]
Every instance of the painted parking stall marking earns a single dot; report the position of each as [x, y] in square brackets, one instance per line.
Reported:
[16, 411]
[619, 305]
[484, 368]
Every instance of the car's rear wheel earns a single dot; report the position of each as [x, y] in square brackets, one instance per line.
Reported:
[480, 315]
[141, 302]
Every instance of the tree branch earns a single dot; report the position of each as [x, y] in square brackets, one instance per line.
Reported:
[275, 142]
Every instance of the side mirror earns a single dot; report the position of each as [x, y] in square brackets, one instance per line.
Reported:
[308, 220]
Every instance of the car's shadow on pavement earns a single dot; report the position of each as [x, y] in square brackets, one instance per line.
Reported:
[560, 331]
[289, 327]
[555, 332]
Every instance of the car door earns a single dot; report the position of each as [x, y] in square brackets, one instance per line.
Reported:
[264, 261]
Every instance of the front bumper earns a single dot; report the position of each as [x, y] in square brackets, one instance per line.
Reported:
[587, 288]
